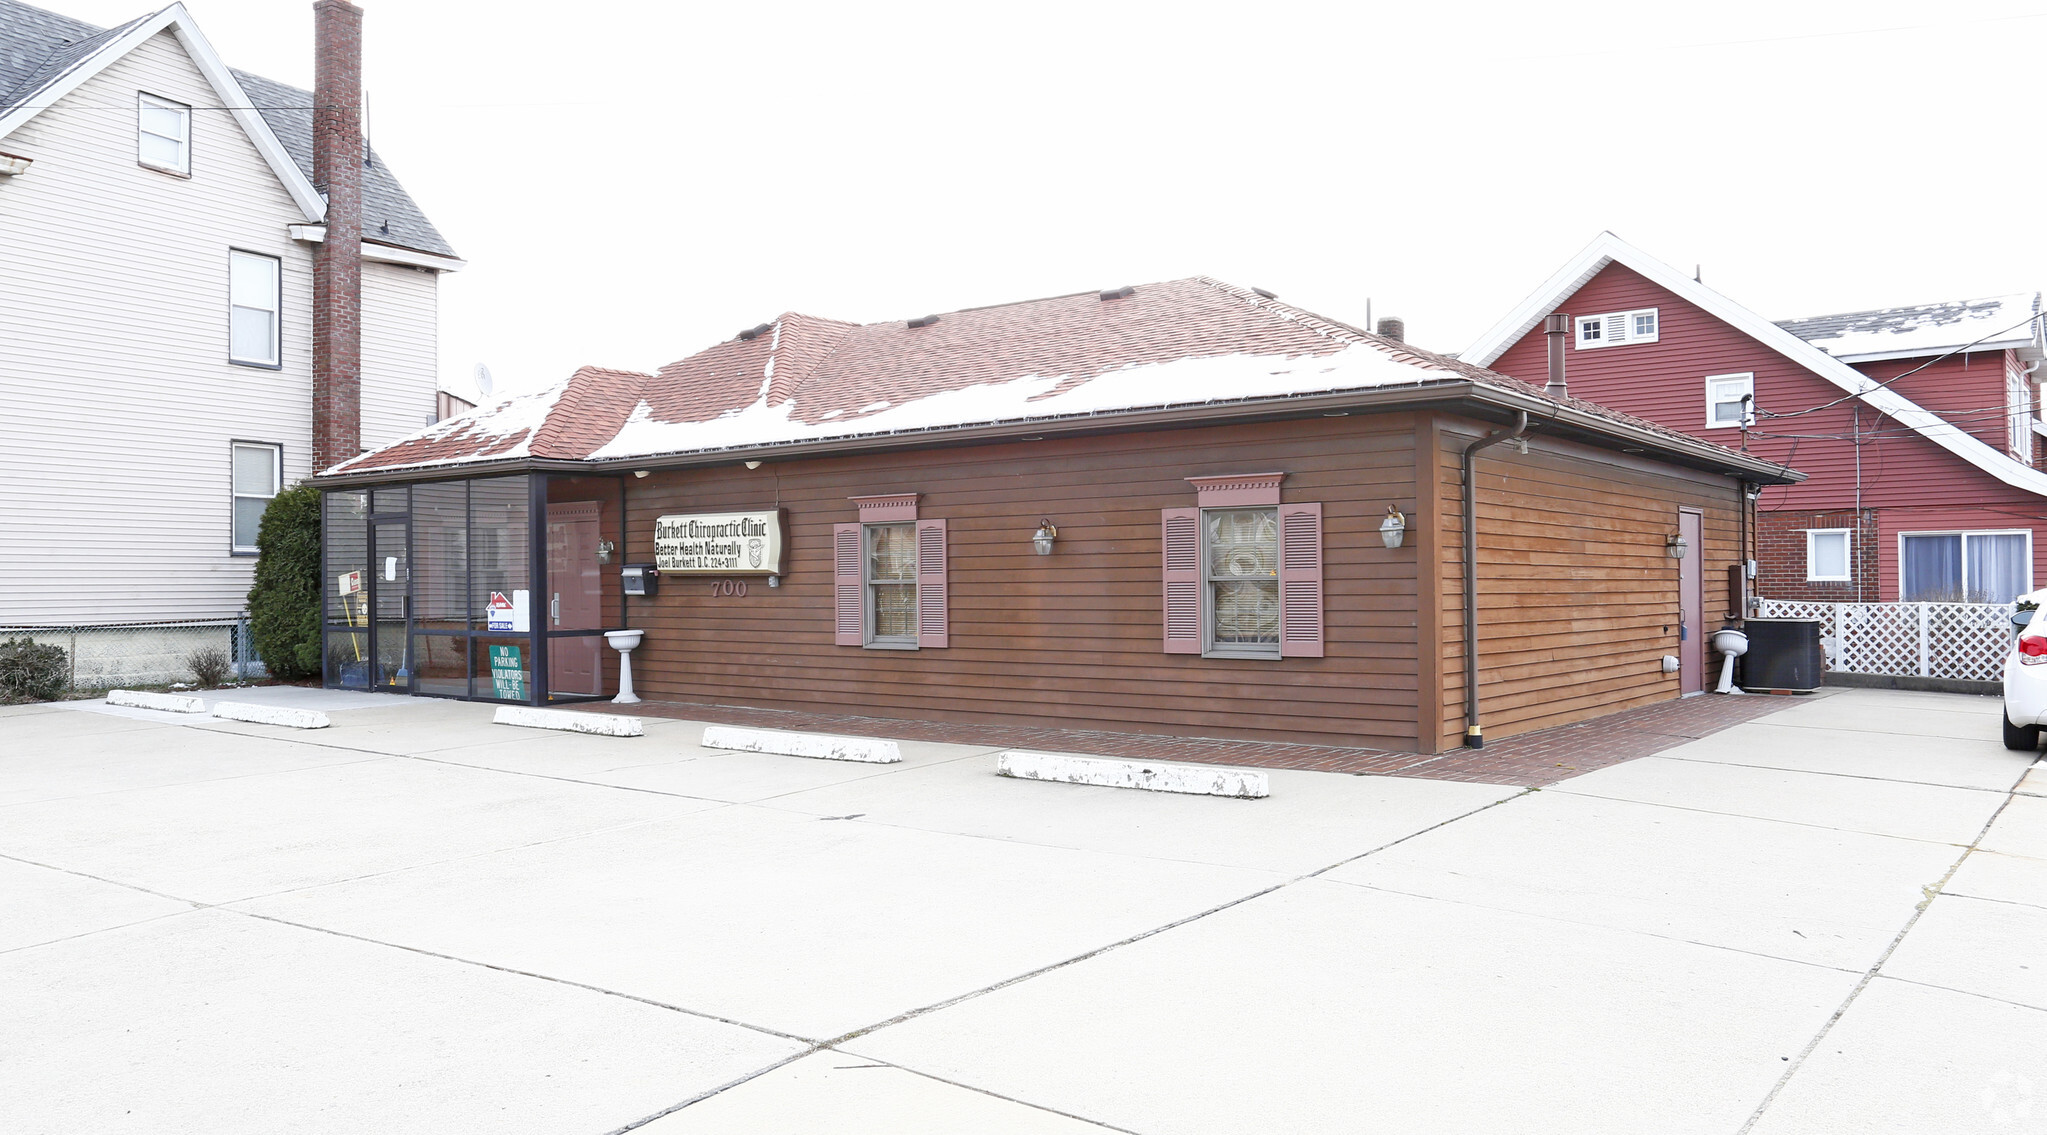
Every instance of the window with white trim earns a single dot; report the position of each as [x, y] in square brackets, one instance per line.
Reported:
[1829, 555]
[163, 138]
[1240, 547]
[1730, 400]
[891, 584]
[1619, 328]
[254, 297]
[2018, 408]
[258, 473]
[1965, 567]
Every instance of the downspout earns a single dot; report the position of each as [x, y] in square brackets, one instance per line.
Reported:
[1473, 738]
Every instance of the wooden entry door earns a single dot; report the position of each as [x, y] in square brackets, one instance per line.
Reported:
[575, 598]
[1691, 593]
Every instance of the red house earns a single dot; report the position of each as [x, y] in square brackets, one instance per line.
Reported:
[1917, 426]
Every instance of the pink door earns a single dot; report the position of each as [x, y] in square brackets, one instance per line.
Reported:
[1691, 590]
[575, 595]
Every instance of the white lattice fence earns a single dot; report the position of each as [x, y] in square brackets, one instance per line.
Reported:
[1930, 640]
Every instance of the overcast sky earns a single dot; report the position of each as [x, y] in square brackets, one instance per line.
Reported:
[631, 182]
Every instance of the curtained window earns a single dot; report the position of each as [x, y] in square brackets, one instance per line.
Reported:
[1965, 567]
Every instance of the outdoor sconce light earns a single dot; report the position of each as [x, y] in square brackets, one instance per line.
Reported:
[753, 465]
[1393, 529]
[639, 473]
[1676, 546]
[1043, 537]
[604, 549]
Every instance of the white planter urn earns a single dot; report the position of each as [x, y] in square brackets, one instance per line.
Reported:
[623, 642]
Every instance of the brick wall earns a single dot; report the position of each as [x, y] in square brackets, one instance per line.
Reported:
[337, 262]
[1780, 555]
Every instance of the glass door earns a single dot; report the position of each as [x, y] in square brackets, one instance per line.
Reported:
[391, 600]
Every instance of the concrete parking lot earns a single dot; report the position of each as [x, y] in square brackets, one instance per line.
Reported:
[1827, 919]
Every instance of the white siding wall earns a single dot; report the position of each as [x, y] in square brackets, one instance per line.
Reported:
[117, 403]
[400, 351]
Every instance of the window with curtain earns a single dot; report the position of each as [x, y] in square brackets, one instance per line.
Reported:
[1243, 580]
[892, 584]
[1965, 567]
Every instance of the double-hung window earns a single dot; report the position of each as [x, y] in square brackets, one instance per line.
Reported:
[1242, 571]
[891, 584]
[1965, 567]
[1241, 550]
[258, 472]
[163, 138]
[254, 299]
[1730, 400]
[1829, 555]
[1617, 328]
[889, 580]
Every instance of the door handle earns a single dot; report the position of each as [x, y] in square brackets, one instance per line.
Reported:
[554, 609]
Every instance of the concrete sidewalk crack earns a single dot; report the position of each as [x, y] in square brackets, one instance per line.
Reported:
[1933, 892]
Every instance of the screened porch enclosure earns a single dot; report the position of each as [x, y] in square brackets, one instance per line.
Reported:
[430, 588]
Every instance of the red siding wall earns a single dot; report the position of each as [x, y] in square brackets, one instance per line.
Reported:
[1891, 468]
[1967, 390]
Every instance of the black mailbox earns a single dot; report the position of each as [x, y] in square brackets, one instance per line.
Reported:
[641, 579]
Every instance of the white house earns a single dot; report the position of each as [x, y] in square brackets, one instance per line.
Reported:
[160, 230]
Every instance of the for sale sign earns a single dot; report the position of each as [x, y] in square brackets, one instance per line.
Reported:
[499, 614]
[349, 582]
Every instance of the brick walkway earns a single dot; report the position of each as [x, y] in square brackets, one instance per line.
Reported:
[1529, 760]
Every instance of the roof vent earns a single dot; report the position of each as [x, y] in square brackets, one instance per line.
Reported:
[1266, 294]
[1393, 328]
[1124, 292]
[925, 321]
[756, 332]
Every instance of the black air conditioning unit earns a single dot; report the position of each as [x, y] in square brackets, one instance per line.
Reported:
[1783, 654]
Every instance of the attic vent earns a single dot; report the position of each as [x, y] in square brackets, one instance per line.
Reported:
[925, 321]
[385, 228]
[1266, 294]
[1124, 292]
[755, 332]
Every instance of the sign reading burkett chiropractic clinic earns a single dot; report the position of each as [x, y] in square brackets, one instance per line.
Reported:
[722, 543]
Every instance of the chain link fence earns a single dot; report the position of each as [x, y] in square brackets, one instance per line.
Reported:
[148, 654]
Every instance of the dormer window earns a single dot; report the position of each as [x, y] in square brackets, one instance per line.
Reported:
[1617, 328]
[164, 135]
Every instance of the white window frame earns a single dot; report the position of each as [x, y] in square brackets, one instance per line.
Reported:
[146, 101]
[236, 495]
[276, 310]
[2018, 407]
[1965, 533]
[1209, 647]
[1847, 536]
[1748, 414]
[1615, 329]
[870, 637]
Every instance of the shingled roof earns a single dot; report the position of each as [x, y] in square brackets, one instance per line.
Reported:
[1990, 324]
[1196, 347]
[38, 49]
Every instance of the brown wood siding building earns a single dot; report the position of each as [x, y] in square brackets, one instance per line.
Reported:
[1578, 598]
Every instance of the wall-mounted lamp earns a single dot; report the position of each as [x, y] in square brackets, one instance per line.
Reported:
[1393, 529]
[1043, 537]
[1676, 546]
[639, 472]
[604, 550]
[753, 465]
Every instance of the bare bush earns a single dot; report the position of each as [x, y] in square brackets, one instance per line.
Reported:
[209, 665]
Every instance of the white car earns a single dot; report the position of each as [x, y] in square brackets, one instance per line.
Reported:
[2025, 681]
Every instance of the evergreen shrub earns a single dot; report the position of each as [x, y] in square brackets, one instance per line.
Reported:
[284, 604]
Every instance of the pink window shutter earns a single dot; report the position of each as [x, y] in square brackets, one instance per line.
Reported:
[933, 619]
[1180, 536]
[847, 606]
[1300, 581]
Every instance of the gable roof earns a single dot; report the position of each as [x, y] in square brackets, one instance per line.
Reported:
[1182, 351]
[1994, 323]
[45, 56]
[1609, 249]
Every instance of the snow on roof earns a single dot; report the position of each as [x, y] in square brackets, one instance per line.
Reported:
[802, 379]
[1924, 329]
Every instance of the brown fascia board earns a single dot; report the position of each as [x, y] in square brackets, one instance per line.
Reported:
[1463, 395]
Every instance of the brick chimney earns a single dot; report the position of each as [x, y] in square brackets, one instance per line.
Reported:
[337, 261]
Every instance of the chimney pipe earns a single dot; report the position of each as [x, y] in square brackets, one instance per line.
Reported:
[1393, 328]
[337, 260]
[1558, 328]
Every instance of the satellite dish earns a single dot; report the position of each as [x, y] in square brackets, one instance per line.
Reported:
[483, 382]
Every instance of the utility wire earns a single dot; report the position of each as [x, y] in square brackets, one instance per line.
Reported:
[1907, 374]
